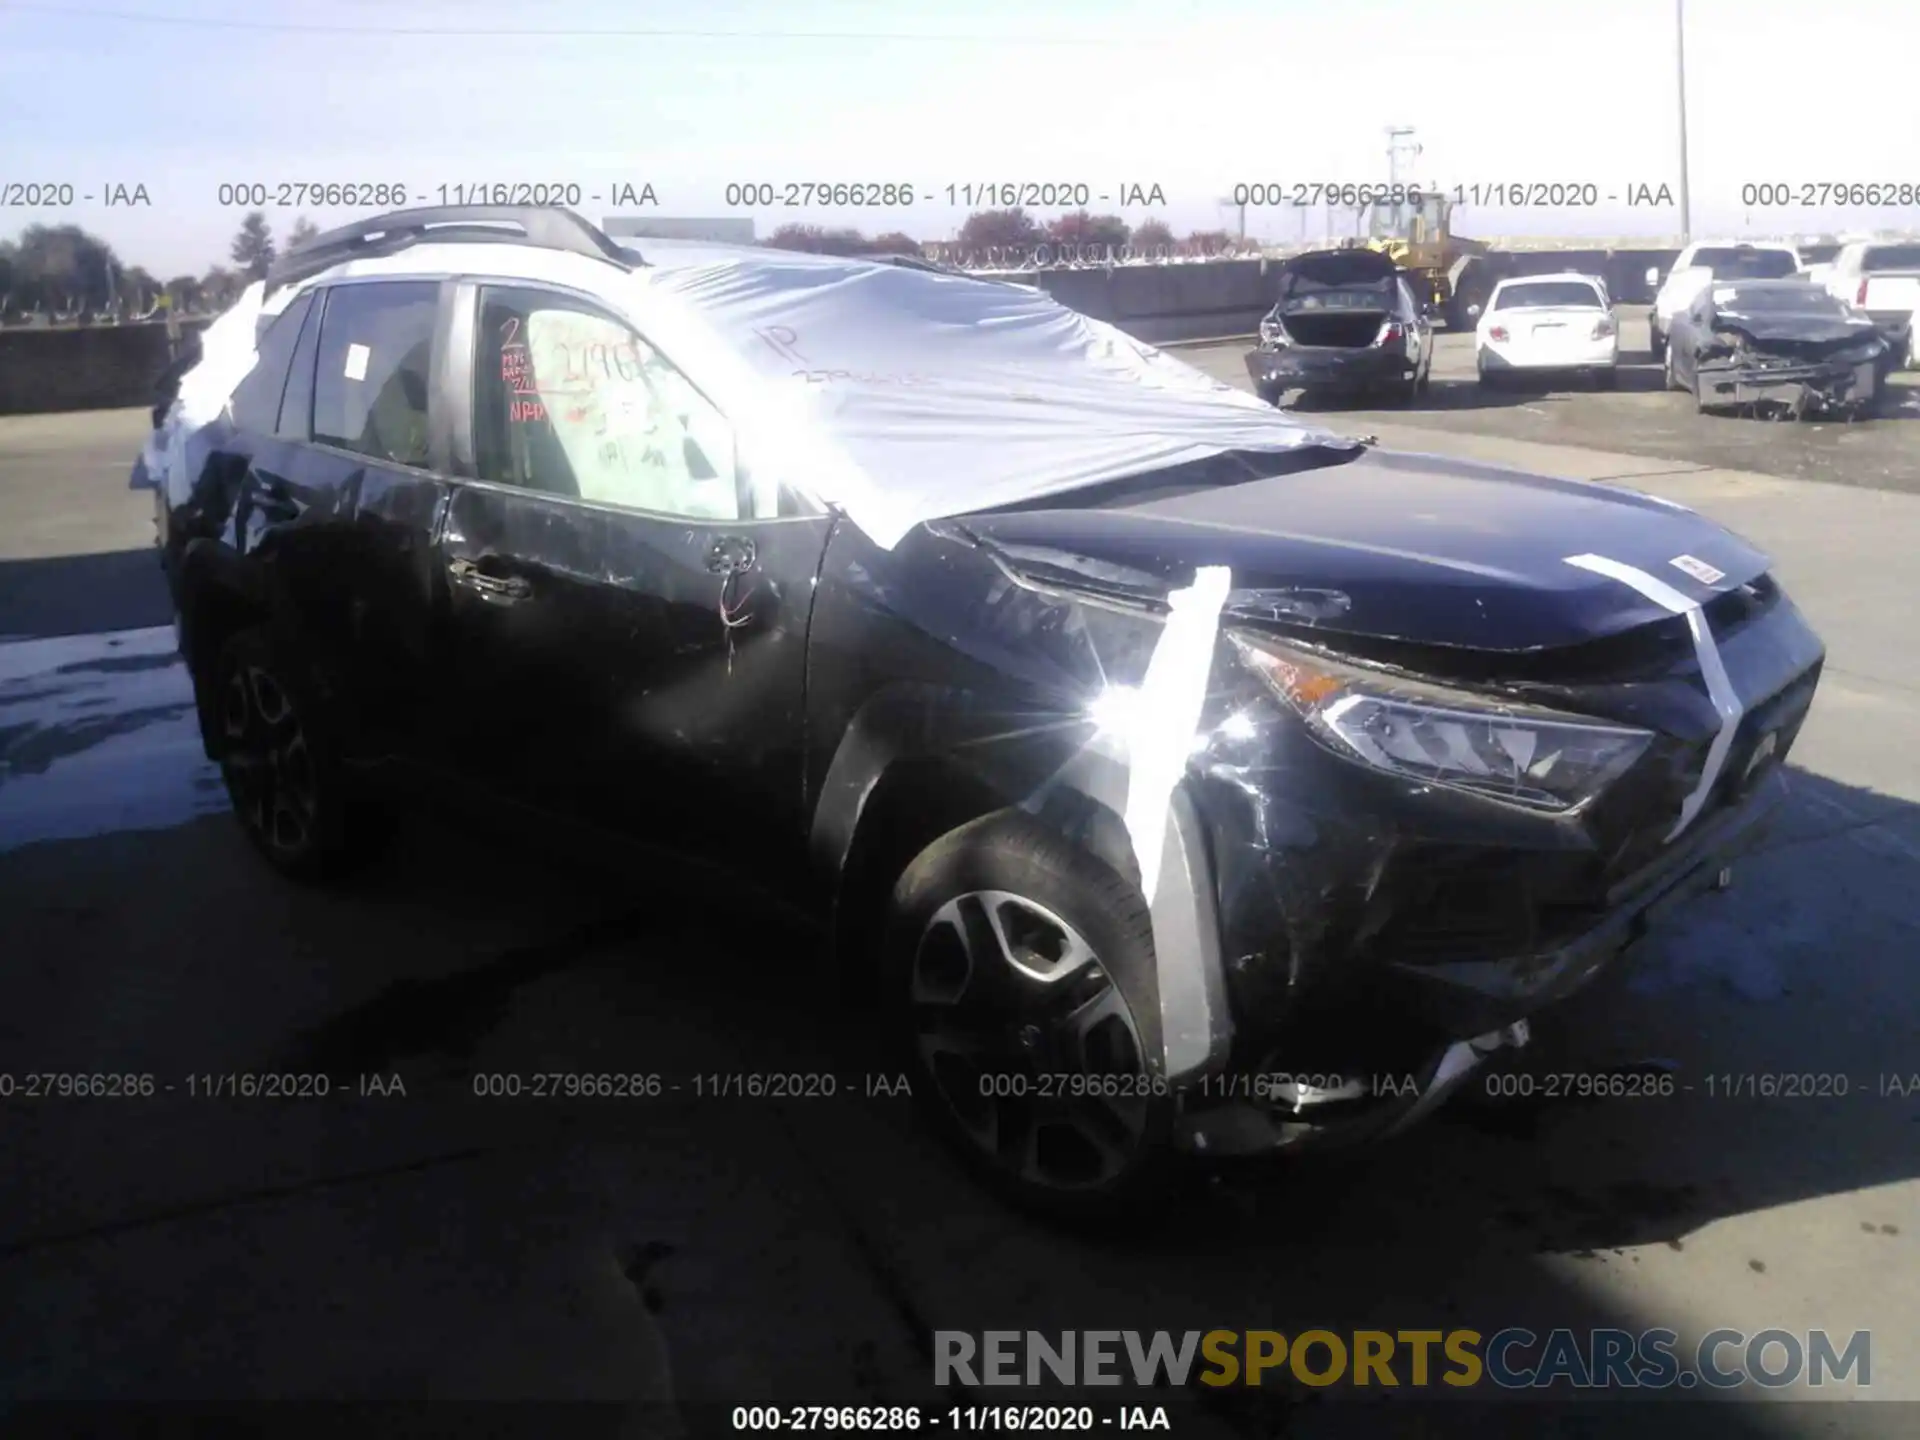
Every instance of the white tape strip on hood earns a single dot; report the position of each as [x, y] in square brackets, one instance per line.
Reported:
[1166, 713]
[1719, 688]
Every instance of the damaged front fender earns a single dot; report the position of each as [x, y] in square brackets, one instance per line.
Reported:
[1071, 705]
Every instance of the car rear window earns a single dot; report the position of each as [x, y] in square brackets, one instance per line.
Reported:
[1891, 257]
[1561, 293]
[1747, 264]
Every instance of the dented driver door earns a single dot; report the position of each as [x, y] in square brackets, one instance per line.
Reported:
[625, 614]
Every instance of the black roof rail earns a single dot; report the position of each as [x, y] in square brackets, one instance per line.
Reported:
[547, 227]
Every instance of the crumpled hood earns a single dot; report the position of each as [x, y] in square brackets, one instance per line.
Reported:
[1763, 328]
[1394, 546]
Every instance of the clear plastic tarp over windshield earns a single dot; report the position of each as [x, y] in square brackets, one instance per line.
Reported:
[904, 396]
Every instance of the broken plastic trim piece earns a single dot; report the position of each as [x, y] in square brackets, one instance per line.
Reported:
[1726, 702]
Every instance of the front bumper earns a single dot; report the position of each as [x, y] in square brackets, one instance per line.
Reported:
[1307, 367]
[1377, 935]
[1825, 385]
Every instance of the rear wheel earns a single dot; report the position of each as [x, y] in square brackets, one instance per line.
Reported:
[282, 774]
[1020, 971]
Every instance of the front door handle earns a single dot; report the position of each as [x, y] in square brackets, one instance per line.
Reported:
[730, 554]
[496, 587]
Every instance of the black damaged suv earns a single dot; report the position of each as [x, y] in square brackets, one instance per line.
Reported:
[1452, 736]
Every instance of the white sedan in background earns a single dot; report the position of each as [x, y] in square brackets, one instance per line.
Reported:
[1541, 323]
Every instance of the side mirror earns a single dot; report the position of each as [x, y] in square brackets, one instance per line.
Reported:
[1653, 275]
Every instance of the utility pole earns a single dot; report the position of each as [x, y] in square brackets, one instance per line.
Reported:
[1680, 64]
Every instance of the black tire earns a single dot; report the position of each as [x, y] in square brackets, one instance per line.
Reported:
[966, 1028]
[1656, 344]
[1269, 393]
[1400, 392]
[282, 772]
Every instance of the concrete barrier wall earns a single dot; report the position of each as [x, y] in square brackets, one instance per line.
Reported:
[95, 367]
[1162, 303]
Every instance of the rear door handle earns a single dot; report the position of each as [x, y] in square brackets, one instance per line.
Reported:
[731, 554]
[499, 587]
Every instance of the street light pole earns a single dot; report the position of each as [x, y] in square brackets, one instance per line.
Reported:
[1680, 59]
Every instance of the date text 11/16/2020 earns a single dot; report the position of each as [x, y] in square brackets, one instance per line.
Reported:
[889, 194]
[397, 195]
[201, 1085]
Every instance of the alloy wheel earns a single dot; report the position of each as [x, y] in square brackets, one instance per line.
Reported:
[1030, 1044]
[267, 761]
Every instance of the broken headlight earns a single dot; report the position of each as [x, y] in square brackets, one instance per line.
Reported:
[1522, 754]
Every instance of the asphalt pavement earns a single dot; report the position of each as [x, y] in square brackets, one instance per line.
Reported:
[403, 1237]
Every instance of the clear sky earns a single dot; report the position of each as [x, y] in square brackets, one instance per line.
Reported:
[1195, 96]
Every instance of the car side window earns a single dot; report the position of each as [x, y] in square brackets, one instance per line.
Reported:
[374, 357]
[256, 400]
[571, 401]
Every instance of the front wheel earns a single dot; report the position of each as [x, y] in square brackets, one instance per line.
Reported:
[1020, 972]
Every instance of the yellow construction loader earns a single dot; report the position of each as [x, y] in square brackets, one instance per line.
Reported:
[1418, 237]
